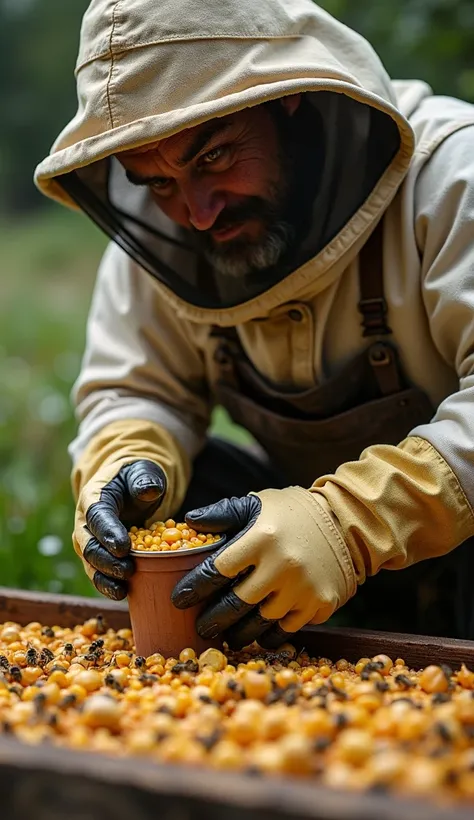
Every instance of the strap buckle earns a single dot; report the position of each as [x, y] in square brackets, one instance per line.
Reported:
[374, 312]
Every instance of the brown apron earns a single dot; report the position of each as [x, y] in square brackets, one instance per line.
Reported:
[310, 433]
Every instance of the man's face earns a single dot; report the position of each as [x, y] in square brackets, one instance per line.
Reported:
[227, 182]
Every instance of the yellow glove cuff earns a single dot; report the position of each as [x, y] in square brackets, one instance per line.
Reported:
[397, 505]
[124, 442]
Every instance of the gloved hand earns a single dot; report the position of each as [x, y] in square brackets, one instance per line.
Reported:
[130, 470]
[284, 566]
[107, 507]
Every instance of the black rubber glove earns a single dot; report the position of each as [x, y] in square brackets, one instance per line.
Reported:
[239, 623]
[101, 531]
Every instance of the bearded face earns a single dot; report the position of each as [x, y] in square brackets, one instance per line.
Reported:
[240, 255]
[238, 184]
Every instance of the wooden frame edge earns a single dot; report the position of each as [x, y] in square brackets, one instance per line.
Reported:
[236, 794]
[332, 642]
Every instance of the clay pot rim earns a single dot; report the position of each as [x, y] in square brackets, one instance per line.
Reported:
[177, 553]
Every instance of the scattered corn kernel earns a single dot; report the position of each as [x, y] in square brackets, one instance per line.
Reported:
[101, 711]
[433, 679]
[214, 659]
[386, 663]
[369, 725]
[89, 679]
[256, 686]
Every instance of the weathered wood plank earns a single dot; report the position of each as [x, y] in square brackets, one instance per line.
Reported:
[50, 783]
[64, 610]
[416, 650]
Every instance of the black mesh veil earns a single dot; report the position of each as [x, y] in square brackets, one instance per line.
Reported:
[359, 143]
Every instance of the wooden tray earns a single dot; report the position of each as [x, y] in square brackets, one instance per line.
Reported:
[46, 783]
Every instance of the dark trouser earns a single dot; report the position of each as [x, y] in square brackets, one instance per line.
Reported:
[434, 597]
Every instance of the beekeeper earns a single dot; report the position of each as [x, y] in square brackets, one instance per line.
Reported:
[292, 239]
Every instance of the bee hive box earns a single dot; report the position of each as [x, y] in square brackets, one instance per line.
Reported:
[50, 783]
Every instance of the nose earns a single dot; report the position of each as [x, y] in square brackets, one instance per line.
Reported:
[204, 204]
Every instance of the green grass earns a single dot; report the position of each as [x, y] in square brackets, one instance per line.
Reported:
[48, 270]
[49, 265]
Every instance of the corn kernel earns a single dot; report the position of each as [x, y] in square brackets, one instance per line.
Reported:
[256, 686]
[30, 675]
[101, 711]
[59, 678]
[354, 746]
[122, 659]
[89, 679]
[386, 662]
[408, 731]
[214, 659]
[433, 679]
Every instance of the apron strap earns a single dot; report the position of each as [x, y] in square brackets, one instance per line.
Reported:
[229, 349]
[372, 304]
[373, 308]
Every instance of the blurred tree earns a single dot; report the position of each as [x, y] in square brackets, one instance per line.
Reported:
[427, 39]
[432, 40]
[38, 46]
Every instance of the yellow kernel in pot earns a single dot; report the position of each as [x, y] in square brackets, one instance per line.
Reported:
[170, 538]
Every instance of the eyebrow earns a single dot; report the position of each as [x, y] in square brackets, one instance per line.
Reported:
[198, 144]
[137, 180]
[201, 140]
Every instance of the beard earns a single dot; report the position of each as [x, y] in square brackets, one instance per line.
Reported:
[240, 256]
[285, 215]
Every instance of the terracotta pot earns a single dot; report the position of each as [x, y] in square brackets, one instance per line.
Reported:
[157, 625]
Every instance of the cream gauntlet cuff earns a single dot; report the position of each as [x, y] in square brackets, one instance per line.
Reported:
[396, 506]
[124, 442]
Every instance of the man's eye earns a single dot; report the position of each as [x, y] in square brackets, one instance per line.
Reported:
[213, 155]
[160, 184]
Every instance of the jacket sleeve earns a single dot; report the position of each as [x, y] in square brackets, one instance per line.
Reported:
[399, 505]
[140, 363]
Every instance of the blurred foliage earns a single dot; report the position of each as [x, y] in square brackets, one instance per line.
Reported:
[431, 40]
[38, 47]
[48, 266]
[49, 256]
